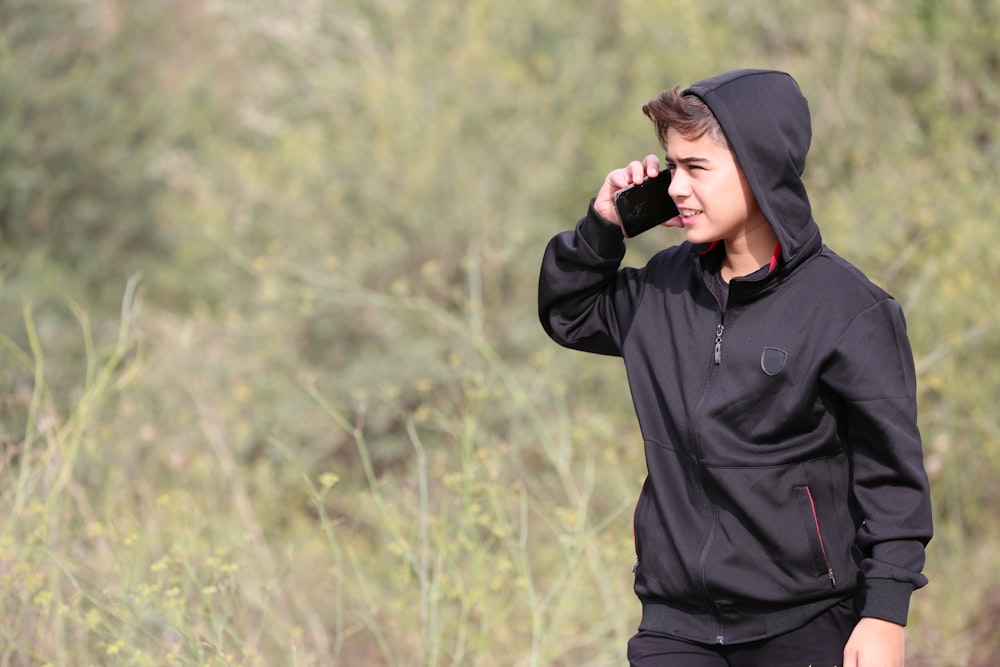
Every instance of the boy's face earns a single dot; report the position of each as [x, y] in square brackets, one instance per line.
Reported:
[709, 188]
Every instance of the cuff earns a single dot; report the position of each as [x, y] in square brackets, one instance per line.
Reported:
[603, 236]
[887, 599]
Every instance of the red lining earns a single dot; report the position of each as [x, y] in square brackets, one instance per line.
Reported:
[819, 533]
[775, 256]
[710, 248]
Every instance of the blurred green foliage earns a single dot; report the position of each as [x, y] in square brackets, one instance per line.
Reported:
[85, 125]
[323, 425]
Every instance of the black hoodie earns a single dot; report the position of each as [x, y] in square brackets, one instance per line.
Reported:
[785, 470]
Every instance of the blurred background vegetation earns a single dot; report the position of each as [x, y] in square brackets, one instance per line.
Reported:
[273, 388]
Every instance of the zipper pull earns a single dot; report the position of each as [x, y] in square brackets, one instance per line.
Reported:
[718, 343]
[833, 579]
[635, 568]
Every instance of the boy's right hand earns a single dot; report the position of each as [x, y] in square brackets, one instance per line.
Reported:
[636, 172]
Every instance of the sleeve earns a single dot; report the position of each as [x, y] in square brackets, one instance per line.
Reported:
[872, 369]
[582, 295]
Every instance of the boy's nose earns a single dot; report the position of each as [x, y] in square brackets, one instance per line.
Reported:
[679, 186]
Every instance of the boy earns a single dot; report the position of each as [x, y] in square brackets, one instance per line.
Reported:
[785, 512]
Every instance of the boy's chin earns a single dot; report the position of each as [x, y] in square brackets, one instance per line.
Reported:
[694, 237]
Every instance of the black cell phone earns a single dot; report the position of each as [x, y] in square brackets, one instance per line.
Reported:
[646, 205]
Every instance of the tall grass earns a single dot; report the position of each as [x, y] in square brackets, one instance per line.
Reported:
[127, 539]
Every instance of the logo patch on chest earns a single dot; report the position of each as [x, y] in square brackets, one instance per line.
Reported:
[772, 360]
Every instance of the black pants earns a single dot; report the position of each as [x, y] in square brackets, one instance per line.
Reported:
[818, 644]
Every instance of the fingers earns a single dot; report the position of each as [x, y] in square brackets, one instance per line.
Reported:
[637, 171]
[634, 173]
[673, 222]
[651, 163]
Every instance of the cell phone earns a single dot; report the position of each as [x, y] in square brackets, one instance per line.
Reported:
[646, 205]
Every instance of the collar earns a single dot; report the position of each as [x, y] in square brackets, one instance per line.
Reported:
[772, 265]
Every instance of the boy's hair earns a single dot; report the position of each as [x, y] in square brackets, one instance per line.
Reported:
[687, 114]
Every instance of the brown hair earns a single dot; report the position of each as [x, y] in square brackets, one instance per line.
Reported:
[687, 114]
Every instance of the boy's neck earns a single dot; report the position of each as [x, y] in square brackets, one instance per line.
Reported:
[747, 255]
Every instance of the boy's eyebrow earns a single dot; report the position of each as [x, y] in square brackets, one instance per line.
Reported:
[686, 160]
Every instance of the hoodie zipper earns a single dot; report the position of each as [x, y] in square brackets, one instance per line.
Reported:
[718, 338]
[819, 536]
[706, 547]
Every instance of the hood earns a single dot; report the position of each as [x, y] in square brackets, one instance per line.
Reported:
[766, 120]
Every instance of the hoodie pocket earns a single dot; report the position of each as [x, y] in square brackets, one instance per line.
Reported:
[814, 531]
[635, 525]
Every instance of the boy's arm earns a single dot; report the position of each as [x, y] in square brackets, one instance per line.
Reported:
[872, 370]
[576, 284]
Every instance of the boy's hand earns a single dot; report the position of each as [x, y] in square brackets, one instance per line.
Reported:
[875, 643]
[636, 172]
